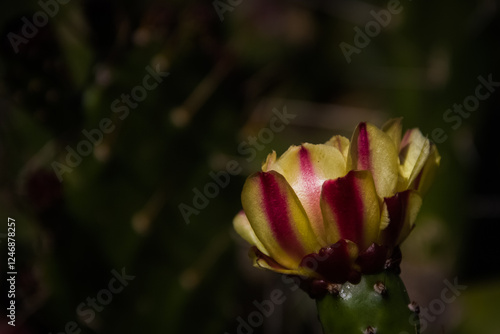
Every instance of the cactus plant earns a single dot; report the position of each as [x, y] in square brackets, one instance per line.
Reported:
[335, 214]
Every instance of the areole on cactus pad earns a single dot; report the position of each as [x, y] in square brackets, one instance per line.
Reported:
[335, 213]
[377, 304]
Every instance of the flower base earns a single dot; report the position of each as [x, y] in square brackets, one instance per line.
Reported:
[377, 304]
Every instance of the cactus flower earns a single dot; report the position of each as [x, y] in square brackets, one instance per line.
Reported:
[338, 210]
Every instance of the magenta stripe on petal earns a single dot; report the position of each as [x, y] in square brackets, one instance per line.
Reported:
[276, 208]
[309, 183]
[306, 168]
[363, 148]
[344, 198]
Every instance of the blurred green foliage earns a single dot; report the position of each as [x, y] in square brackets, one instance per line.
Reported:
[119, 208]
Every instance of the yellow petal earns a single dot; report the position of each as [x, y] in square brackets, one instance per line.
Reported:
[413, 154]
[341, 143]
[394, 128]
[244, 229]
[270, 162]
[413, 208]
[261, 260]
[424, 179]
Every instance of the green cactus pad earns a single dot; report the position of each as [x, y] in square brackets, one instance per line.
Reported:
[377, 304]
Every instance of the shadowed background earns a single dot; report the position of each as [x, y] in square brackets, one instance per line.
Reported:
[133, 201]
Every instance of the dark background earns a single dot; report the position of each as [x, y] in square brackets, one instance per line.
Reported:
[119, 207]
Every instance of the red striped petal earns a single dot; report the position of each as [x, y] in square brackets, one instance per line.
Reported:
[351, 210]
[305, 168]
[278, 218]
[372, 149]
